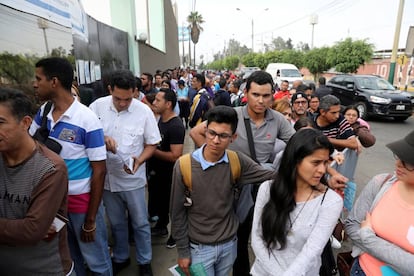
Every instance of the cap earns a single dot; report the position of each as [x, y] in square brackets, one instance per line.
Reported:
[298, 95]
[404, 148]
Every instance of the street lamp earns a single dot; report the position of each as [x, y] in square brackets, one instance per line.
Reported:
[42, 24]
[313, 21]
[252, 20]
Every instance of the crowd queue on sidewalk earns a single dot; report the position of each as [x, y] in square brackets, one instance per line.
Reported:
[261, 171]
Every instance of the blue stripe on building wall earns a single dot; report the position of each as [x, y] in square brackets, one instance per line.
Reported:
[48, 7]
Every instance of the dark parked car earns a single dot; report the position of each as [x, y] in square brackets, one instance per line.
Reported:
[373, 96]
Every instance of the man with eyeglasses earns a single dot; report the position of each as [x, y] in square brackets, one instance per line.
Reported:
[205, 231]
[299, 106]
[268, 127]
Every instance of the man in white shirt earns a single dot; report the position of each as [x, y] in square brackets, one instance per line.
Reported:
[131, 137]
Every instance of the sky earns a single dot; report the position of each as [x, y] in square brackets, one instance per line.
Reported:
[374, 20]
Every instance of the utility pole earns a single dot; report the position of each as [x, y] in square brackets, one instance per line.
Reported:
[395, 45]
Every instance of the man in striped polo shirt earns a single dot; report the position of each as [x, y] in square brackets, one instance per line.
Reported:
[80, 133]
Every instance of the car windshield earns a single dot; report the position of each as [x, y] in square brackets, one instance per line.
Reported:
[291, 73]
[374, 83]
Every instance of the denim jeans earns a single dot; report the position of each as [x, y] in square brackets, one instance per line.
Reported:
[356, 268]
[94, 254]
[217, 259]
[116, 204]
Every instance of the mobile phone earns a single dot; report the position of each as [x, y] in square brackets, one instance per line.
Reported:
[130, 164]
[59, 221]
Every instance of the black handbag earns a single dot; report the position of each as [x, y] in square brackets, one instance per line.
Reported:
[42, 133]
[328, 267]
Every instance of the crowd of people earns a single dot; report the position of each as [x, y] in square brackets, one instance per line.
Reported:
[260, 171]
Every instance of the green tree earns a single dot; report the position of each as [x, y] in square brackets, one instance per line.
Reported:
[260, 61]
[292, 56]
[17, 69]
[249, 60]
[234, 48]
[195, 20]
[278, 44]
[289, 44]
[231, 62]
[348, 55]
[215, 65]
[272, 57]
[316, 60]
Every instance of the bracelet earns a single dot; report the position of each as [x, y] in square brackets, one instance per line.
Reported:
[88, 230]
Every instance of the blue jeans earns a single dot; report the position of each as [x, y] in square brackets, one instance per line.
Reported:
[116, 204]
[356, 268]
[217, 259]
[95, 254]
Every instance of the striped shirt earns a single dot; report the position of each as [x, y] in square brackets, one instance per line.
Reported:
[80, 133]
[340, 129]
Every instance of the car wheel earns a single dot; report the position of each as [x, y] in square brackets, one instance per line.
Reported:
[362, 108]
[401, 119]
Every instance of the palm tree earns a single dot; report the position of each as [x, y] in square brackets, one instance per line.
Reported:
[195, 20]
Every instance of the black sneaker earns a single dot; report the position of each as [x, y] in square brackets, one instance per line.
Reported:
[159, 232]
[171, 243]
[117, 267]
[145, 270]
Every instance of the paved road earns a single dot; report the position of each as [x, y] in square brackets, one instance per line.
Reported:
[374, 160]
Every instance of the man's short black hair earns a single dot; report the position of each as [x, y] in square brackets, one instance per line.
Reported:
[223, 114]
[222, 82]
[261, 78]
[123, 79]
[19, 103]
[56, 67]
[169, 96]
[149, 76]
[322, 80]
[201, 79]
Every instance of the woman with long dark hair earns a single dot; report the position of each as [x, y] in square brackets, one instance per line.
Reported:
[296, 212]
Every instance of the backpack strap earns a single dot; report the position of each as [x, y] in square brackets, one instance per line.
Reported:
[46, 111]
[185, 168]
[234, 165]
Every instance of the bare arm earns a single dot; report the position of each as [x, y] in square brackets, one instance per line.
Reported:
[176, 150]
[198, 134]
[97, 184]
[145, 155]
[351, 143]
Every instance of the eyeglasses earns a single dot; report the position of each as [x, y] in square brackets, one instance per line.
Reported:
[301, 103]
[211, 134]
[407, 166]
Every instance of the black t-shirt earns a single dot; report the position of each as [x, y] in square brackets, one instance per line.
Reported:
[222, 97]
[172, 132]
